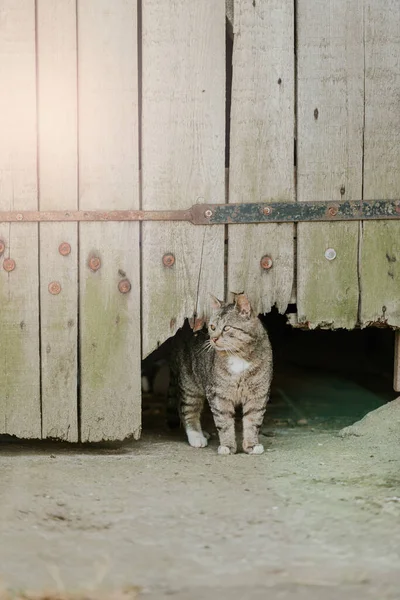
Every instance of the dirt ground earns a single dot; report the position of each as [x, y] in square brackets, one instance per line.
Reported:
[316, 516]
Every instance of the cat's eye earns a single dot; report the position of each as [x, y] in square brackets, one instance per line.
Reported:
[226, 328]
[212, 327]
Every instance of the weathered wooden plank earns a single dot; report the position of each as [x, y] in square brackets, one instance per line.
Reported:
[261, 148]
[58, 180]
[330, 67]
[19, 315]
[380, 244]
[182, 158]
[108, 178]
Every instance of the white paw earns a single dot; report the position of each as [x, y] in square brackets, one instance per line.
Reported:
[257, 449]
[223, 450]
[197, 439]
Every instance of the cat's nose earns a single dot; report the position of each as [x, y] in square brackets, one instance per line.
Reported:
[215, 338]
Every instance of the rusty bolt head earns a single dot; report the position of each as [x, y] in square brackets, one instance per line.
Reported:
[266, 262]
[20, 217]
[54, 288]
[2, 247]
[94, 263]
[9, 264]
[168, 260]
[332, 211]
[124, 286]
[64, 249]
[208, 213]
[267, 210]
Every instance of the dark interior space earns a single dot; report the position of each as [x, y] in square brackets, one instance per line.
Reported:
[322, 379]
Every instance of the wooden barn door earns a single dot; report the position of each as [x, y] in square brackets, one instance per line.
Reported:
[69, 294]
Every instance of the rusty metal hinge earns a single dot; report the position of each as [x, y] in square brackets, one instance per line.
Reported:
[221, 214]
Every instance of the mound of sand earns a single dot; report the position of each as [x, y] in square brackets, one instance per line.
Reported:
[382, 423]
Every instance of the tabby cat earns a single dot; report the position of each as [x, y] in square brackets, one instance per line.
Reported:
[230, 367]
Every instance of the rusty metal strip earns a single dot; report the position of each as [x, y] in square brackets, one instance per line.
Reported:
[35, 216]
[221, 214]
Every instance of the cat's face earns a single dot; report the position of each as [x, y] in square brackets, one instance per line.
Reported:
[231, 326]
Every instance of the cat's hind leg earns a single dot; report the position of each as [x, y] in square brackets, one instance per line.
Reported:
[190, 409]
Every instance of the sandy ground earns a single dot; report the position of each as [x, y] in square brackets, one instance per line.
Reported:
[316, 516]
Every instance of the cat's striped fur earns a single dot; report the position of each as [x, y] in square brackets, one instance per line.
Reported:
[231, 367]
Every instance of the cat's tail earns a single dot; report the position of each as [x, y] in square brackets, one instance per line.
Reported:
[173, 418]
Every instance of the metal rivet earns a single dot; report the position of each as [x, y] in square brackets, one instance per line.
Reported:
[208, 213]
[64, 249]
[124, 286]
[94, 263]
[330, 254]
[54, 288]
[2, 247]
[267, 210]
[168, 260]
[332, 211]
[19, 217]
[266, 262]
[9, 264]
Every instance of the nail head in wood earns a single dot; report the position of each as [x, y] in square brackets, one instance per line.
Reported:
[9, 264]
[124, 286]
[266, 262]
[168, 260]
[94, 263]
[54, 288]
[64, 249]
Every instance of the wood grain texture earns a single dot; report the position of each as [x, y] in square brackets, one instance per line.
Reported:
[380, 244]
[261, 148]
[19, 315]
[329, 155]
[58, 181]
[108, 178]
[183, 141]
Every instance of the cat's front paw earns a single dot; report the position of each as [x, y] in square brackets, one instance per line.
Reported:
[257, 449]
[197, 439]
[226, 450]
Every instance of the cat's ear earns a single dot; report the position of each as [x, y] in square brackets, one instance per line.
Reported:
[215, 303]
[243, 305]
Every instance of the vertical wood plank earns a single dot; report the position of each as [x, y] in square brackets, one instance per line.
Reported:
[19, 315]
[380, 246]
[329, 155]
[108, 179]
[57, 121]
[262, 148]
[183, 141]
